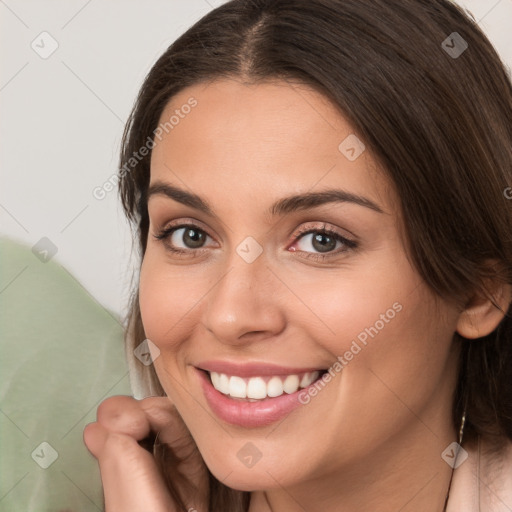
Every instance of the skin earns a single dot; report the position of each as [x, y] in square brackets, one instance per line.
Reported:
[373, 437]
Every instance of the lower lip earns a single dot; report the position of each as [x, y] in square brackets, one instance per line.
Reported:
[248, 414]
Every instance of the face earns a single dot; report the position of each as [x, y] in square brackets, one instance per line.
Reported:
[262, 294]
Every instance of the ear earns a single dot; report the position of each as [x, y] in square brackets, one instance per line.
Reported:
[483, 314]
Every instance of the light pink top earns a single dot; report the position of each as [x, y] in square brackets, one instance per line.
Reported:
[483, 482]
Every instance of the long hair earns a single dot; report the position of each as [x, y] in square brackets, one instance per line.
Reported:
[432, 101]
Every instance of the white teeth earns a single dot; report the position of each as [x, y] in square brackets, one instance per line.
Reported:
[215, 379]
[222, 382]
[258, 388]
[275, 387]
[291, 384]
[237, 387]
[308, 379]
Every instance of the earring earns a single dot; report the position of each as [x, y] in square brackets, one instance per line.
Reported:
[462, 424]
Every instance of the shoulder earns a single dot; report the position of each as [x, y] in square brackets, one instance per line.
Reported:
[483, 480]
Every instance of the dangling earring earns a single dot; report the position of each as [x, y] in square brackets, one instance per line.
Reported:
[461, 435]
[462, 424]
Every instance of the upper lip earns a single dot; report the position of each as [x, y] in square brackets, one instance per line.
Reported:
[253, 369]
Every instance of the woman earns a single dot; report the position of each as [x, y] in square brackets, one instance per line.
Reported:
[325, 286]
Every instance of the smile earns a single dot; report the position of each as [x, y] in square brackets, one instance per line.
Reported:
[261, 387]
[254, 395]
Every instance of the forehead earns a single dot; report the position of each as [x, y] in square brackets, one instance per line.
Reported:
[261, 141]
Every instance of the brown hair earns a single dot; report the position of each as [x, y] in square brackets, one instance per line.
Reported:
[439, 123]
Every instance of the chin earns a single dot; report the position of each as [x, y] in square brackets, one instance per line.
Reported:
[261, 476]
[248, 481]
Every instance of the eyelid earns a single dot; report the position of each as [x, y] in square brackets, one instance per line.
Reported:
[325, 226]
[185, 222]
[351, 243]
[168, 229]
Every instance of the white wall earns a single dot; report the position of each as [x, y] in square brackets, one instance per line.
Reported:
[62, 119]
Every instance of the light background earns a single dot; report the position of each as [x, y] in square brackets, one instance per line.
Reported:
[62, 120]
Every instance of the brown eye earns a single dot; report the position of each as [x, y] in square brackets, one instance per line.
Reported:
[191, 237]
[323, 241]
[320, 242]
[183, 238]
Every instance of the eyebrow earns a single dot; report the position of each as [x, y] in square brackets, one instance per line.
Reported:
[282, 206]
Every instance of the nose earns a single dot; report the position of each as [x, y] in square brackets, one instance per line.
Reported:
[245, 305]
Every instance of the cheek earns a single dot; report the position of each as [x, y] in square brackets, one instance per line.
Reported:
[167, 296]
[382, 322]
[395, 351]
[167, 300]
[359, 307]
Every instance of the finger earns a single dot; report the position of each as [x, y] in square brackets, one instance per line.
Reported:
[131, 480]
[164, 418]
[124, 415]
[172, 431]
[94, 436]
[108, 439]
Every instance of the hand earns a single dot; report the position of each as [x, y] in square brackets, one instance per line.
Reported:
[132, 480]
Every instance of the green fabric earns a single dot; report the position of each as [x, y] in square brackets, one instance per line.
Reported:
[61, 355]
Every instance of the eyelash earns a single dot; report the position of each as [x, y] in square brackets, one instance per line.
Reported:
[349, 244]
